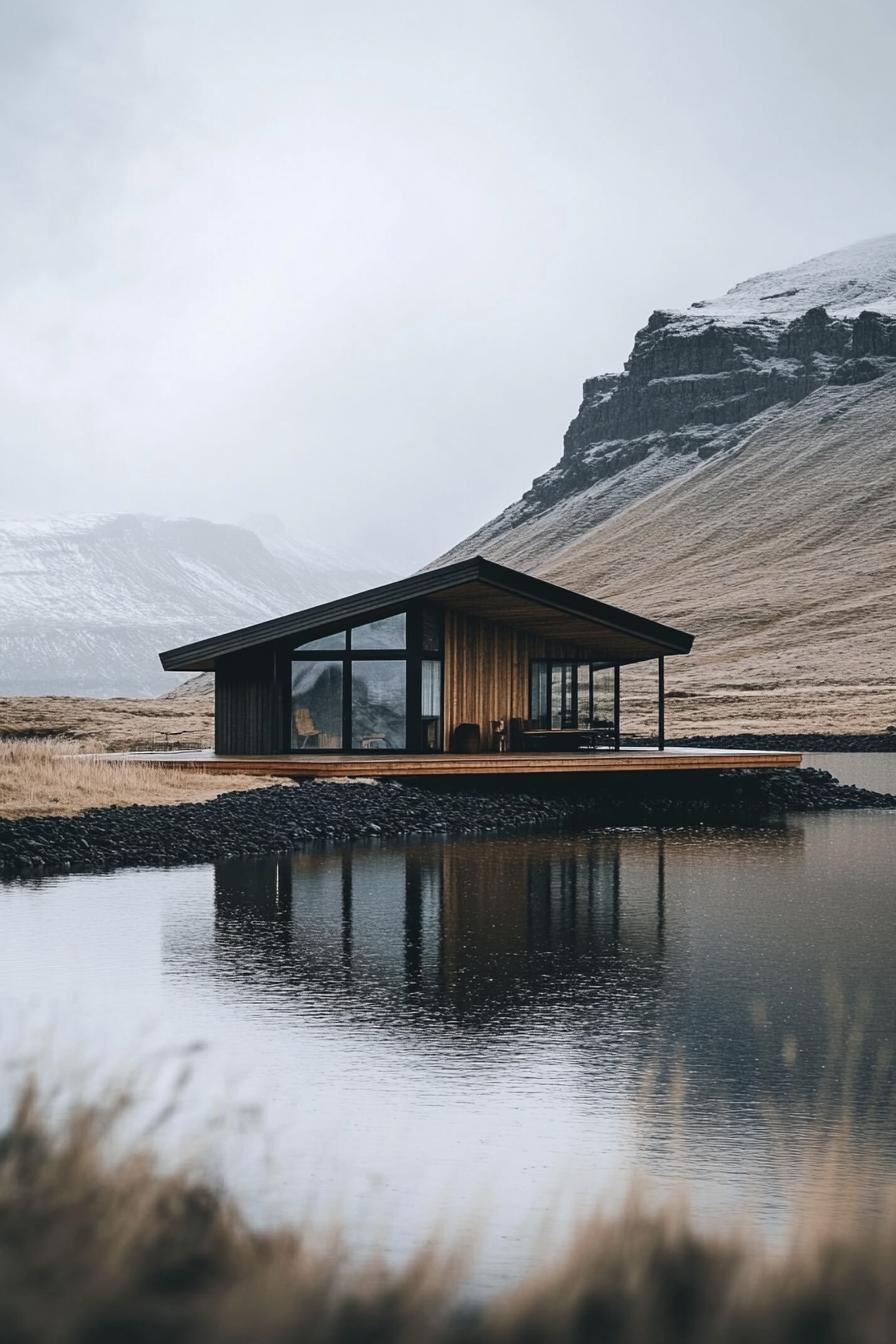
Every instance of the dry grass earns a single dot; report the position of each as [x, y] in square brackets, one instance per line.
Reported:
[100, 1249]
[52, 777]
[111, 725]
[780, 557]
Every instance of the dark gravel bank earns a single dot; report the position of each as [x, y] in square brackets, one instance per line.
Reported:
[273, 819]
[885, 741]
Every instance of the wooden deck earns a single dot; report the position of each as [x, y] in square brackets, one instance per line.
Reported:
[386, 765]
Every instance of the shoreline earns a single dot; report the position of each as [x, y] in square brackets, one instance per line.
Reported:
[280, 818]
[875, 742]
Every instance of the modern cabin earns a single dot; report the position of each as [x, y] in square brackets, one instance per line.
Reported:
[470, 658]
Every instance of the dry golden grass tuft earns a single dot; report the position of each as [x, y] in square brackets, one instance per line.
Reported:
[54, 777]
[95, 1248]
[111, 725]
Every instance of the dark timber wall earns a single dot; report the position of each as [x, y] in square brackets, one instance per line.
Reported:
[250, 703]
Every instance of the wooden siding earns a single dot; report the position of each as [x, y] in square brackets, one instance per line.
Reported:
[486, 672]
[250, 709]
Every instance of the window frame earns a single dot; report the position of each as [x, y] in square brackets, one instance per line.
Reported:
[413, 656]
[548, 664]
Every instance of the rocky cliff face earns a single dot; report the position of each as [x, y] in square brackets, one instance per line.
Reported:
[698, 383]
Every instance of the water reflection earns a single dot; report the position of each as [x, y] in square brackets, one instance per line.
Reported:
[437, 1019]
[640, 948]
[466, 935]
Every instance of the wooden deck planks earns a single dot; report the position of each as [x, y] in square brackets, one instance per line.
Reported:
[383, 765]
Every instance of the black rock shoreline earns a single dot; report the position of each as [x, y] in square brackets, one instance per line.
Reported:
[885, 741]
[280, 818]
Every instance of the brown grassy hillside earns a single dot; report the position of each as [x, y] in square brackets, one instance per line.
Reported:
[111, 725]
[781, 557]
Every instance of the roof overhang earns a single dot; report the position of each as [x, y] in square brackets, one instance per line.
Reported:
[478, 587]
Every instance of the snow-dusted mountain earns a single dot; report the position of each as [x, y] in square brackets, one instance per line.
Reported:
[738, 479]
[697, 384]
[86, 603]
[845, 282]
[781, 558]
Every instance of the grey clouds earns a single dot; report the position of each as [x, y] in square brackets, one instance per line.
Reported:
[350, 263]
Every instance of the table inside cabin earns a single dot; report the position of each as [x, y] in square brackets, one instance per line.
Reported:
[570, 733]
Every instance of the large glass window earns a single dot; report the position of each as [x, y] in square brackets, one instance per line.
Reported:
[602, 693]
[431, 704]
[353, 689]
[562, 695]
[317, 705]
[431, 630]
[540, 699]
[389, 633]
[379, 704]
[566, 694]
[335, 641]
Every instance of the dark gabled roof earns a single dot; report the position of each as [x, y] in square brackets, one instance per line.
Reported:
[477, 585]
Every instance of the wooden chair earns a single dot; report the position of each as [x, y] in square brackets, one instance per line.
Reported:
[305, 732]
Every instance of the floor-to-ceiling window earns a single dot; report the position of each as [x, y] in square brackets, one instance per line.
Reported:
[371, 687]
[567, 694]
[317, 705]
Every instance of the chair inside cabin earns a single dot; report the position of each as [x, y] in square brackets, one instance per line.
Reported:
[305, 731]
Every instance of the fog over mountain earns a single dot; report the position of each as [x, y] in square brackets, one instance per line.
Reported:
[350, 262]
[86, 603]
[738, 479]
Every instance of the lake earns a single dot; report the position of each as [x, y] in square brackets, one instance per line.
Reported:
[410, 1036]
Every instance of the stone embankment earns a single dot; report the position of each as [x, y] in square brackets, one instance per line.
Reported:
[284, 817]
[883, 741]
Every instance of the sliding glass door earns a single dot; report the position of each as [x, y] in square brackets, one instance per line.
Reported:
[567, 694]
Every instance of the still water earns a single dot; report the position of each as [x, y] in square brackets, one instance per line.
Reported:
[411, 1036]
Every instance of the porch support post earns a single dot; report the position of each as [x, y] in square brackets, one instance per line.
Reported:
[661, 704]
[616, 707]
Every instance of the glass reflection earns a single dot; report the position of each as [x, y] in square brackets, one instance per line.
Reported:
[316, 705]
[334, 641]
[389, 633]
[431, 704]
[379, 704]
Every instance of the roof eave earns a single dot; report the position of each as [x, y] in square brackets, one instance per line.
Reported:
[201, 655]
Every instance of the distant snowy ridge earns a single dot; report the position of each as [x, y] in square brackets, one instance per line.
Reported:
[87, 602]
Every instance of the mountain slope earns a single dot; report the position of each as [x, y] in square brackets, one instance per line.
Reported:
[698, 384]
[87, 603]
[781, 557]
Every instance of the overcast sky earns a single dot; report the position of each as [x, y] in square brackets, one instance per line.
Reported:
[349, 263]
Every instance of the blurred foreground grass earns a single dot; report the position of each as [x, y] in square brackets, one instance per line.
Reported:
[96, 1249]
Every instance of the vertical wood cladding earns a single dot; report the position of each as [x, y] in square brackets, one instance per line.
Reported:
[250, 703]
[487, 672]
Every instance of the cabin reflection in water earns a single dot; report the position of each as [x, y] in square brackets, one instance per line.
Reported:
[451, 930]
